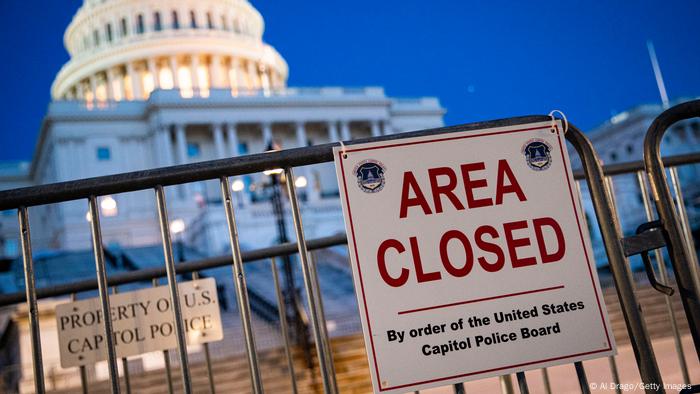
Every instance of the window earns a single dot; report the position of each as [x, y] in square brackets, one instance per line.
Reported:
[139, 24]
[96, 37]
[193, 20]
[176, 22]
[11, 248]
[103, 153]
[156, 22]
[613, 156]
[242, 148]
[193, 149]
[210, 23]
[108, 30]
[630, 149]
[124, 31]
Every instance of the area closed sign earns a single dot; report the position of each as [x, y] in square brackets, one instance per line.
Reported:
[470, 256]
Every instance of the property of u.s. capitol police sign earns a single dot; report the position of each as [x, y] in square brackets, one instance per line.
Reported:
[470, 256]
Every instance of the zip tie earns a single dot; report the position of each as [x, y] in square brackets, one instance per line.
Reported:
[563, 118]
[343, 150]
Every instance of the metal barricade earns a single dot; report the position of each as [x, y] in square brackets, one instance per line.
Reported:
[156, 179]
[674, 223]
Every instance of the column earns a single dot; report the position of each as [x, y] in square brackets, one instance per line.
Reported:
[218, 133]
[252, 76]
[387, 128]
[265, 80]
[215, 71]
[122, 87]
[312, 192]
[376, 132]
[80, 91]
[181, 142]
[267, 133]
[109, 78]
[232, 139]
[345, 130]
[195, 74]
[173, 70]
[232, 142]
[153, 70]
[166, 141]
[332, 131]
[135, 81]
[302, 141]
[93, 87]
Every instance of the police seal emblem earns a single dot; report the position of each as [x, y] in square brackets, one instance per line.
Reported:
[370, 176]
[538, 154]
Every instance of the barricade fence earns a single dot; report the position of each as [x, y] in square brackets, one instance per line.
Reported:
[593, 180]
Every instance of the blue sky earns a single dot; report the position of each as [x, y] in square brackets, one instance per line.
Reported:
[483, 59]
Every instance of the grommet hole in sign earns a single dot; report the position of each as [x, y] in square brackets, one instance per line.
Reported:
[554, 119]
[343, 151]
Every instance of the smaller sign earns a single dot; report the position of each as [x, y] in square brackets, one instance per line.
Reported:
[142, 322]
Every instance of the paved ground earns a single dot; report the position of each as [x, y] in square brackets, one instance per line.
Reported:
[563, 378]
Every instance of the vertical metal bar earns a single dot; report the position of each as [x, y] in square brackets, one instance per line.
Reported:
[320, 310]
[582, 379]
[522, 383]
[609, 226]
[166, 358]
[103, 291]
[506, 384]
[313, 293]
[207, 355]
[663, 273]
[459, 388]
[127, 379]
[283, 325]
[611, 195]
[685, 223]
[615, 374]
[83, 380]
[125, 362]
[32, 309]
[611, 359]
[172, 284]
[545, 381]
[241, 288]
[83, 370]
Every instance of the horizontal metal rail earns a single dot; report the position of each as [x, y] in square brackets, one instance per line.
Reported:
[634, 166]
[213, 169]
[181, 268]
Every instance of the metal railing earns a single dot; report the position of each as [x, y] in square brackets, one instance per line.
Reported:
[156, 179]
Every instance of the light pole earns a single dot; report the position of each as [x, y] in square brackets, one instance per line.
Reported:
[290, 291]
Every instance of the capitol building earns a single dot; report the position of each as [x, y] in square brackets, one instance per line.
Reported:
[155, 83]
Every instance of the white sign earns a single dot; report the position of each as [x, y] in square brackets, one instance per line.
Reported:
[142, 322]
[470, 256]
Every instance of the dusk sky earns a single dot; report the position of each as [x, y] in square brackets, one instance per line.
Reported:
[482, 59]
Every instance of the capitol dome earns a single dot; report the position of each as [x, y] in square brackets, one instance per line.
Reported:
[125, 49]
